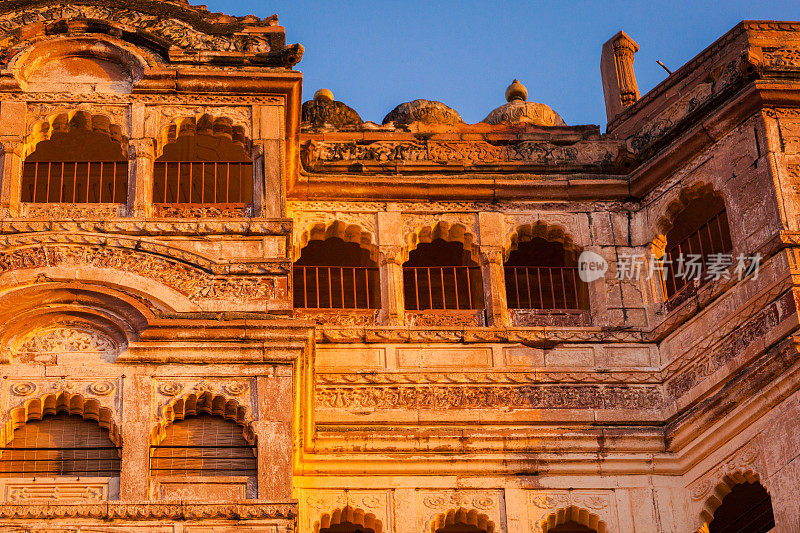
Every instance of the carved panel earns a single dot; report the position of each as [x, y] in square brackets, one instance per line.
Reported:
[542, 503]
[341, 317]
[445, 318]
[319, 502]
[64, 339]
[201, 211]
[45, 492]
[72, 211]
[747, 458]
[435, 502]
[506, 397]
[194, 283]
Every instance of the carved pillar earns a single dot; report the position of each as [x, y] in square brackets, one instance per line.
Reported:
[494, 286]
[393, 305]
[10, 186]
[492, 233]
[140, 178]
[390, 246]
[136, 426]
[619, 79]
[274, 430]
[269, 162]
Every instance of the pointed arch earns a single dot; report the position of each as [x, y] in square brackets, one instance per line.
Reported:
[462, 517]
[77, 120]
[698, 191]
[353, 233]
[572, 514]
[352, 515]
[448, 231]
[220, 127]
[202, 402]
[723, 488]
[541, 230]
[60, 402]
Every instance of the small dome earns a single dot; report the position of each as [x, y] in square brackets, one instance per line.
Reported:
[425, 111]
[519, 111]
[323, 109]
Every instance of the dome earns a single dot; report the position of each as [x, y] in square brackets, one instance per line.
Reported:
[323, 109]
[519, 111]
[425, 111]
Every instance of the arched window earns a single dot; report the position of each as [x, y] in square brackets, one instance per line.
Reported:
[60, 445]
[203, 445]
[541, 274]
[334, 274]
[442, 275]
[205, 163]
[82, 161]
[746, 509]
[346, 527]
[699, 231]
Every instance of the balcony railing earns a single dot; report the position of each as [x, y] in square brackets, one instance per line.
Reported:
[549, 288]
[336, 287]
[443, 287]
[203, 182]
[77, 182]
[713, 237]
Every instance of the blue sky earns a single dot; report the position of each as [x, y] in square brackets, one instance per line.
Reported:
[376, 54]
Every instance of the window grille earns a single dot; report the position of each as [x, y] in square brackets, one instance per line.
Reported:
[203, 182]
[203, 446]
[542, 287]
[712, 237]
[77, 182]
[60, 445]
[440, 275]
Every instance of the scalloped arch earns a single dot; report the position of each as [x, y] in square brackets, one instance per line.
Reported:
[451, 232]
[60, 402]
[203, 124]
[541, 230]
[572, 514]
[349, 514]
[77, 119]
[685, 197]
[722, 489]
[319, 231]
[203, 402]
[462, 517]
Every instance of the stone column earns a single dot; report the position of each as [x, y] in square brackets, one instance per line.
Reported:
[274, 430]
[492, 234]
[494, 286]
[135, 430]
[390, 247]
[140, 181]
[616, 70]
[11, 184]
[268, 162]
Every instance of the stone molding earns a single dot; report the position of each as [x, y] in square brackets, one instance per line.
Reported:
[187, 227]
[136, 510]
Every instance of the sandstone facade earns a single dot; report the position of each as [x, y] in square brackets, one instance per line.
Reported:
[163, 190]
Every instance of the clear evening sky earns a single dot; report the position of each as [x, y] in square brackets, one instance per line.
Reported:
[376, 54]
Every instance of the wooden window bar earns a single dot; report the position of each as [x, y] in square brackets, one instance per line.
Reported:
[203, 182]
[336, 287]
[442, 287]
[548, 288]
[75, 182]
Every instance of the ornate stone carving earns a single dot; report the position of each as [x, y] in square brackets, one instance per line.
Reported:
[172, 22]
[170, 388]
[23, 389]
[490, 397]
[782, 57]
[194, 283]
[742, 460]
[73, 211]
[101, 388]
[449, 318]
[519, 378]
[543, 504]
[341, 318]
[32, 492]
[201, 211]
[65, 339]
[112, 510]
[425, 111]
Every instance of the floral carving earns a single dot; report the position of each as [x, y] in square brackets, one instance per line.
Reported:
[202, 211]
[235, 389]
[101, 388]
[783, 57]
[23, 389]
[170, 389]
[490, 397]
[66, 340]
[194, 283]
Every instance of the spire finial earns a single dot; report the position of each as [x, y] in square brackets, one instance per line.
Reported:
[516, 91]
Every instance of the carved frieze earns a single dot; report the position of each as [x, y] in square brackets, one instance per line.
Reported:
[77, 211]
[340, 318]
[537, 396]
[448, 319]
[486, 378]
[194, 283]
[112, 510]
[782, 57]
[64, 339]
[46, 492]
[201, 211]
